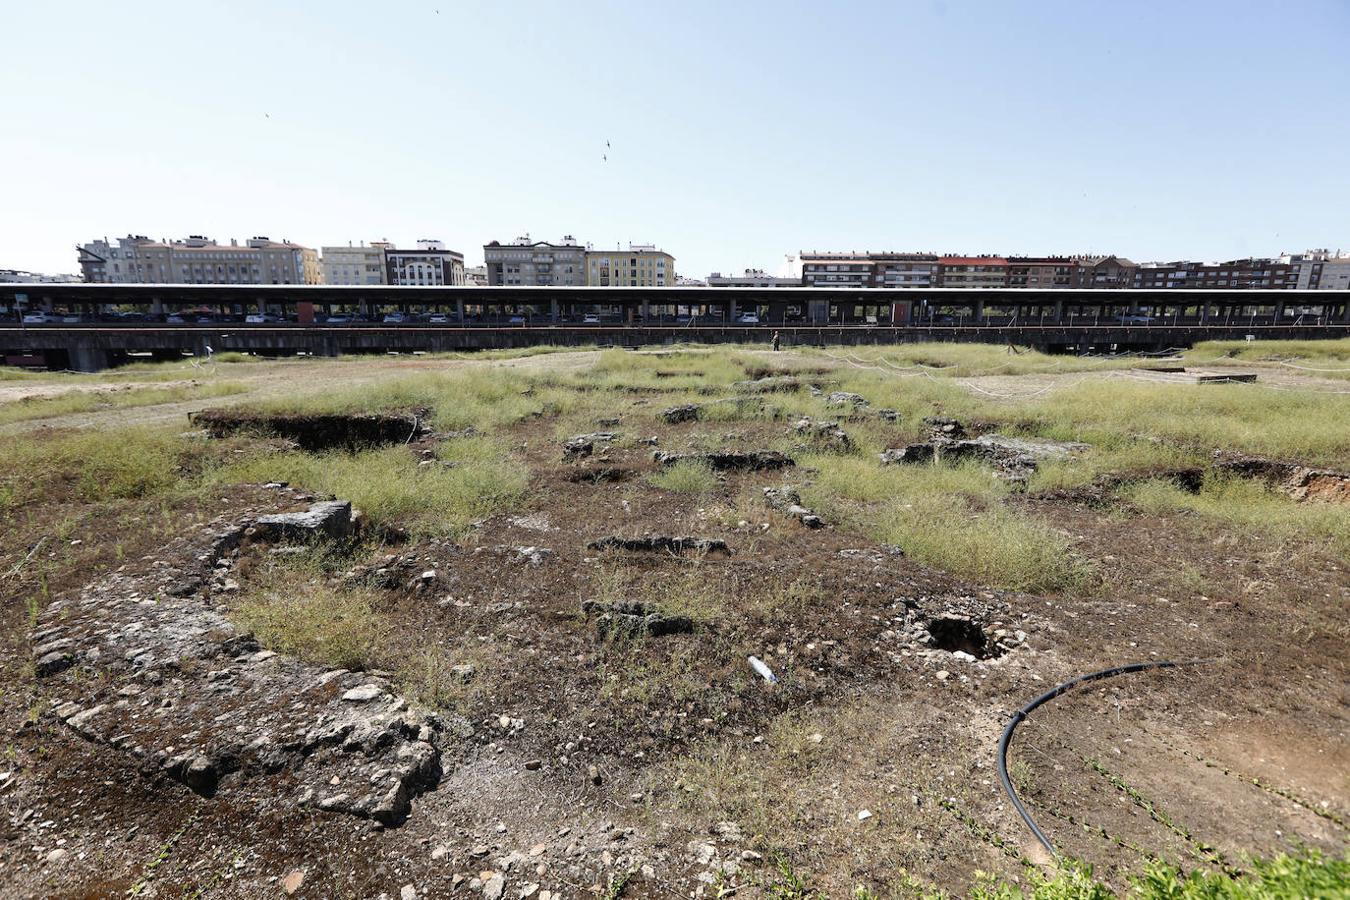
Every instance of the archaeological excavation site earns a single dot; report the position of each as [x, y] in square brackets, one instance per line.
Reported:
[695, 622]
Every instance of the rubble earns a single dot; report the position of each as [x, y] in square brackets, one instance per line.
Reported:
[786, 500]
[1297, 481]
[678, 546]
[686, 413]
[940, 427]
[914, 453]
[330, 518]
[769, 384]
[754, 460]
[584, 444]
[828, 434]
[633, 619]
[1013, 458]
[168, 680]
[845, 398]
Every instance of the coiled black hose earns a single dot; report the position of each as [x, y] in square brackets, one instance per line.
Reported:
[1045, 698]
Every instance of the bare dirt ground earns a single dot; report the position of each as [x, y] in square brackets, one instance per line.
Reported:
[586, 765]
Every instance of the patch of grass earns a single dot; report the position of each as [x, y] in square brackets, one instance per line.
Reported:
[123, 464]
[965, 360]
[1129, 458]
[1304, 874]
[993, 546]
[1248, 506]
[686, 477]
[98, 401]
[1322, 359]
[482, 399]
[1299, 425]
[389, 486]
[1072, 881]
[292, 609]
[949, 517]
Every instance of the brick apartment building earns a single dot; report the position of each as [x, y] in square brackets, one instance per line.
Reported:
[1042, 272]
[973, 271]
[883, 270]
[1231, 275]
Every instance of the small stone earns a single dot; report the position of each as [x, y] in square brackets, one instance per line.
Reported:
[291, 883]
[407, 892]
[943, 675]
[593, 774]
[440, 852]
[494, 887]
[864, 815]
[534, 764]
[57, 855]
[363, 694]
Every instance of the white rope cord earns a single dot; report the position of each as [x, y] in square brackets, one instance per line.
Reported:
[1310, 368]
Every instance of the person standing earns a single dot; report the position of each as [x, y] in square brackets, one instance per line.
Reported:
[775, 342]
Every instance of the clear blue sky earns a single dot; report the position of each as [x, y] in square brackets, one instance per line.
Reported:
[739, 132]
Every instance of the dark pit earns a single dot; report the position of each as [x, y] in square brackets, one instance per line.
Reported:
[953, 633]
[315, 432]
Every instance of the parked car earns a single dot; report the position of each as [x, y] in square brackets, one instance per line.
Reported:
[517, 320]
[1134, 319]
[590, 319]
[260, 318]
[749, 318]
[72, 317]
[39, 318]
[173, 319]
[394, 318]
[438, 319]
[338, 320]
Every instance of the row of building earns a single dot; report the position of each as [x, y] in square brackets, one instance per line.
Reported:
[137, 259]
[1313, 270]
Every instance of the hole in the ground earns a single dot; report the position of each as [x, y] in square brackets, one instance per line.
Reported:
[317, 431]
[953, 633]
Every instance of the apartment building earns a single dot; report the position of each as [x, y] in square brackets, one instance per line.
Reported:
[1103, 272]
[476, 276]
[641, 265]
[429, 265]
[19, 276]
[751, 278]
[1042, 272]
[973, 271]
[1335, 274]
[868, 269]
[1231, 275]
[537, 263]
[353, 265]
[836, 270]
[136, 259]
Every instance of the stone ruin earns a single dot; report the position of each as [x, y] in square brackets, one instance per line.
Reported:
[184, 693]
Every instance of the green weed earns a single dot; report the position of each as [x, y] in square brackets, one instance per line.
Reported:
[686, 477]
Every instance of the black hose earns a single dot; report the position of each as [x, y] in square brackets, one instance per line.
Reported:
[1045, 698]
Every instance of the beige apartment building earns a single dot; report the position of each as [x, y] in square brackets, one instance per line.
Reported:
[136, 259]
[354, 265]
[641, 265]
[537, 263]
